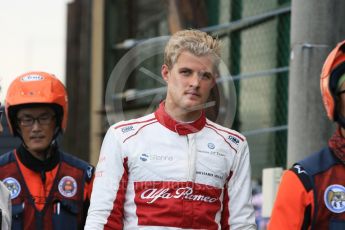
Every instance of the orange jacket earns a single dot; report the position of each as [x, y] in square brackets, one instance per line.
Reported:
[49, 198]
[311, 195]
[41, 191]
[291, 203]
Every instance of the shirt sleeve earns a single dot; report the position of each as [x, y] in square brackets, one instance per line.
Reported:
[290, 204]
[241, 210]
[109, 187]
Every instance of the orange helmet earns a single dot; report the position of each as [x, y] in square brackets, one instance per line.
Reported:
[333, 68]
[36, 88]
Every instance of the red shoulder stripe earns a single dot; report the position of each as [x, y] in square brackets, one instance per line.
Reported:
[139, 130]
[234, 134]
[215, 130]
[132, 123]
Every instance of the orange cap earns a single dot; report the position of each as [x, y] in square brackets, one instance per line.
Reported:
[36, 88]
[336, 57]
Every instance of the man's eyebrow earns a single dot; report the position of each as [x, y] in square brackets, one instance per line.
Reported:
[207, 72]
[184, 67]
[188, 68]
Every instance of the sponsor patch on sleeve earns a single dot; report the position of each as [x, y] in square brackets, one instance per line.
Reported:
[127, 129]
[234, 139]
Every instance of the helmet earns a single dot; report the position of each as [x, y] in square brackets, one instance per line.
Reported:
[34, 88]
[333, 68]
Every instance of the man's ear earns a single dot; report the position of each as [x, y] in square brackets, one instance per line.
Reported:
[165, 72]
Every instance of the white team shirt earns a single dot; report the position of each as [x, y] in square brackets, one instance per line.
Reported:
[155, 173]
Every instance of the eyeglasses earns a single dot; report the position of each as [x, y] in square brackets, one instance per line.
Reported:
[27, 121]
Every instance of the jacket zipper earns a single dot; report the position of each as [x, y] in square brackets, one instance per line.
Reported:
[191, 157]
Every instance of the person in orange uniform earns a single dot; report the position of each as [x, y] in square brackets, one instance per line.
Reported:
[50, 189]
[312, 193]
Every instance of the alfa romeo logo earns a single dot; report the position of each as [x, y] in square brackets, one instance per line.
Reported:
[145, 60]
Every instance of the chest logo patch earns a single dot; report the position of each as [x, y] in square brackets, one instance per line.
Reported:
[68, 186]
[211, 146]
[13, 186]
[334, 198]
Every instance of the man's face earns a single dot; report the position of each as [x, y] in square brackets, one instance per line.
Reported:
[36, 125]
[189, 81]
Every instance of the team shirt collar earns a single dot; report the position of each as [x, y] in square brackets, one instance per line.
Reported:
[182, 128]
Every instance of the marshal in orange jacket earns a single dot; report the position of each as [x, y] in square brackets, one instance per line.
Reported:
[311, 195]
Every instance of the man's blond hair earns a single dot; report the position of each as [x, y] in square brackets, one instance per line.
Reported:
[194, 41]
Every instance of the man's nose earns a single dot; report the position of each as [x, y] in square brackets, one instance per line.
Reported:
[195, 79]
[36, 125]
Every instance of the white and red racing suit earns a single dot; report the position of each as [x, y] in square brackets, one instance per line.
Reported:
[156, 173]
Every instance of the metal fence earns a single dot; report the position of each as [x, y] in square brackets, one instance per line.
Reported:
[259, 33]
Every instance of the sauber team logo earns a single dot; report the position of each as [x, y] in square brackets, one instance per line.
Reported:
[334, 198]
[181, 193]
[13, 186]
[68, 186]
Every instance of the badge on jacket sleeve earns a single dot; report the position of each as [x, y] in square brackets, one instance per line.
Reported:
[334, 198]
[68, 186]
[13, 186]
